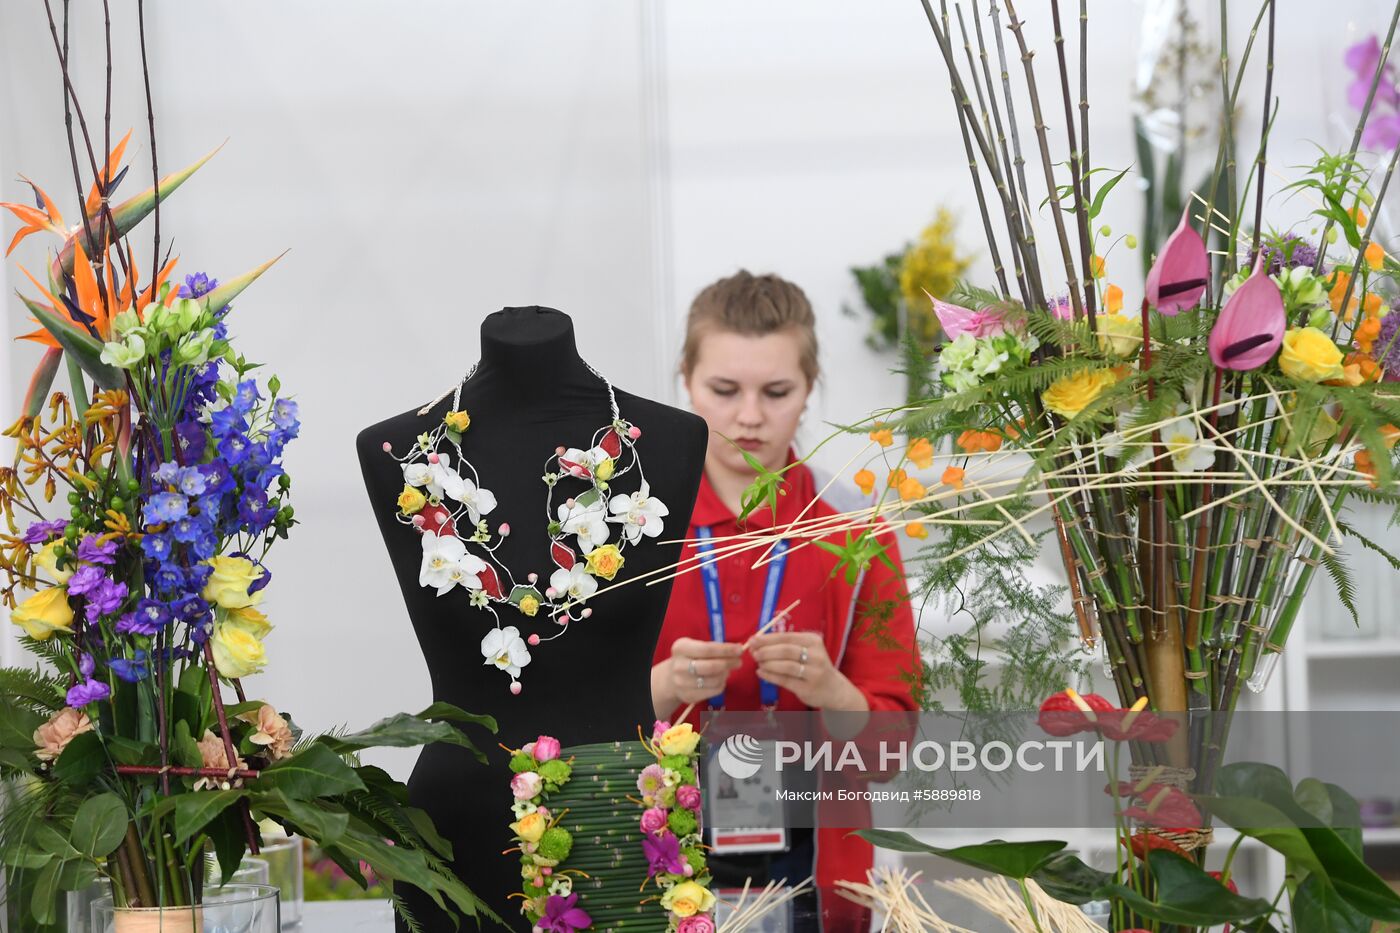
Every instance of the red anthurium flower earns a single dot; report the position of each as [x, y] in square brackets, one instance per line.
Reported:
[1250, 328]
[1162, 805]
[1230, 885]
[1142, 843]
[1178, 277]
[1067, 712]
[1136, 725]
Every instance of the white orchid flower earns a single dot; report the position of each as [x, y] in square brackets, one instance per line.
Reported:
[576, 581]
[465, 573]
[640, 514]
[478, 500]
[417, 474]
[1189, 453]
[589, 522]
[504, 648]
[583, 463]
[443, 557]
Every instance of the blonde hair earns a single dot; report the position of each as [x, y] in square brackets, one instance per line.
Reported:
[755, 306]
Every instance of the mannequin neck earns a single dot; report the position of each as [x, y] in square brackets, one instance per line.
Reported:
[530, 354]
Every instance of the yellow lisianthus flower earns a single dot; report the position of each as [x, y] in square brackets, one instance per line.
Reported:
[45, 613]
[411, 501]
[688, 899]
[1310, 355]
[458, 421]
[237, 653]
[1068, 395]
[680, 739]
[228, 585]
[605, 561]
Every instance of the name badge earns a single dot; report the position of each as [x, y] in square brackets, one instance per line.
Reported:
[745, 801]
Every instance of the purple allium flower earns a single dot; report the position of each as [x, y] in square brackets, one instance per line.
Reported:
[105, 599]
[1387, 348]
[165, 507]
[41, 532]
[92, 551]
[85, 580]
[90, 691]
[1289, 251]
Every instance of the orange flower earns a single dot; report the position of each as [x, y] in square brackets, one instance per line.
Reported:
[916, 530]
[911, 489]
[1366, 467]
[1366, 333]
[1371, 304]
[953, 476]
[1013, 431]
[1358, 215]
[980, 441]
[1340, 280]
[1375, 256]
[866, 481]
[1390, 434]
[882, 435]
[921, 453]
[895, 478]
[1365, 367]
[1097, 265]
[1113, 299]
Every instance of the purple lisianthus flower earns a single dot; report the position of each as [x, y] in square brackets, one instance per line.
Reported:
[1387, 346]
[198, 285]
[191, 481]
[105, 599]
[41, 532]
[165, 507]
[89, 691]
[284, 415]
[235, 448]
[93, 551]
[563, 915]
[85, 580]
[663, 854]
[156, 547]
[131, 670]
[228, 421]
[190, 437]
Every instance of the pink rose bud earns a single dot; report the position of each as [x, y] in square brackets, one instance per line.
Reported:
[653, 820]
[417, 521]
[388, 447]
[546, 748]
[525, 785]
[433, 458]
[688, 796]
[534, 639]
[515, 687]
[503, 530]
[539, 881]
[550, 592]
[528, 749]
[562, 618]
[546, 870]
[634, 432]
[569, 503]
[533, 577]
[688, 870]
[559, 450]
[440, 517]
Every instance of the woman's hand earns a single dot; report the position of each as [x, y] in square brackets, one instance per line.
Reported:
[695, 671]
[798, 662]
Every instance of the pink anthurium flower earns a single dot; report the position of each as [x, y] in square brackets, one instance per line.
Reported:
[956, 320]
[1250, 328]
[1178, 277]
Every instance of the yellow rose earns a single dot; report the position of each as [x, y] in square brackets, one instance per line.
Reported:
[458, 421]
[47, 559]
[688, 899]
[249, 620]
[680, 739]
[1310, 355]
[1068, 395]
[605, 561]
[1119, 335]
[530, 827]
[604, 470]
[44, 613]
[411, 501]
[529, 605]
[236, 652]
[228, 585]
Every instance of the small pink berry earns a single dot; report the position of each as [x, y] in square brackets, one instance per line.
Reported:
[515, 687]
[388, 447]
[417, 521]
[587, 613]
[634, 432]
[562, 618]
[688, 869]
[641, 520]
[569, 503]
[440, 518]
[546, 871]
[504, 530]
[532, 577]
[550, 593]
[433, 458]
[559, 450]
[534, 640]
[539, 881]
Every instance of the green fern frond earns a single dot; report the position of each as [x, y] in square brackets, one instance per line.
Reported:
[1346, 587]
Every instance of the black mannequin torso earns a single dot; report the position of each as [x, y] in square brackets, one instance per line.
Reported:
[531, 393]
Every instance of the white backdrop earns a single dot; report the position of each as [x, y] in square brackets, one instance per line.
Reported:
[427, 163]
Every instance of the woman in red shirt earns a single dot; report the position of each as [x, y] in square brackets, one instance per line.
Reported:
[749, 364]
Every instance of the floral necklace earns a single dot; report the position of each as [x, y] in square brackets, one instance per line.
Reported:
[444, 500]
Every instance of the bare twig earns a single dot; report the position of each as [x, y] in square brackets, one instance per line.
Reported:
[1077, 171]
[1264, 131]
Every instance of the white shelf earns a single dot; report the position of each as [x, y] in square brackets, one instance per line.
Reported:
[1387, 836]
[1353, 649]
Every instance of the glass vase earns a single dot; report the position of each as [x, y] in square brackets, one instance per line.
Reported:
[285, 866]
[234, 908]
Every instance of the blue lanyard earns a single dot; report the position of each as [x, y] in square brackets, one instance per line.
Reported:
[768, 693]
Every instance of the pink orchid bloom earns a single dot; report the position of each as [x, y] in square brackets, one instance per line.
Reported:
[1178, 277]
[1250, 328]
